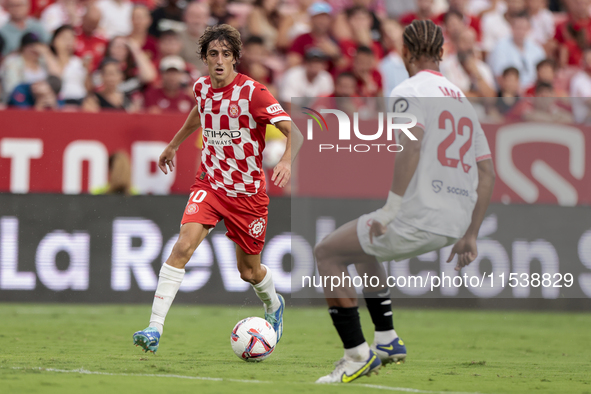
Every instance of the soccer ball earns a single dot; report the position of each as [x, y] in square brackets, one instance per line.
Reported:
[253, 339]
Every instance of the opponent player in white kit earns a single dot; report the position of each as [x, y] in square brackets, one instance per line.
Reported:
[442, 185]
[234, 111]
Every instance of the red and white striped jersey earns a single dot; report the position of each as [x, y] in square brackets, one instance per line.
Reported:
[234, 120]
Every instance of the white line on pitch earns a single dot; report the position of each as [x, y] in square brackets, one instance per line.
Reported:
[370, 386]
[86, 372]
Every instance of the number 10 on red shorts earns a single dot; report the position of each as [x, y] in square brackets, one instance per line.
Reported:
[245, 217]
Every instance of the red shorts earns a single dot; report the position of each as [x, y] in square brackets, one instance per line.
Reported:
[245, 217]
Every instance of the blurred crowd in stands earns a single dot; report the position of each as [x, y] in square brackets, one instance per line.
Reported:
[141, 55]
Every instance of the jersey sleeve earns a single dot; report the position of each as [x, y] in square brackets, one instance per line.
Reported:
[481, 148]
[197, 87]
[404, 101]
[265, 108]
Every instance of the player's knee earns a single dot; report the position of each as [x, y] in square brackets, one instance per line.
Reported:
[247, 274]
[321, 252]
[182, 251]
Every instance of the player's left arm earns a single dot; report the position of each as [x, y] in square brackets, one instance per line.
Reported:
[465, 248]
[295, 139]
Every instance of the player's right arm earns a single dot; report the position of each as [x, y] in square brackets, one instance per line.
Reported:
[192, 123]
[465, 248]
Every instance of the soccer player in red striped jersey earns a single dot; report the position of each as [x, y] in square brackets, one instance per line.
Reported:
[234, 111]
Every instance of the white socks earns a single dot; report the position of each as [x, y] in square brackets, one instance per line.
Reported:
[384, 337]
[358, 353]
[265, 290]
[170, 279]
[169, 282]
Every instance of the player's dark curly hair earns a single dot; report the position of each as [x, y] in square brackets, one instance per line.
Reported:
[226, 35]
[423, 38]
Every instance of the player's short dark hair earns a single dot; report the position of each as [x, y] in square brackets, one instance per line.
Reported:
[546, 62]
[365, 50]
[423, 38]
[510, 70]
[226, 35]
[254, 40]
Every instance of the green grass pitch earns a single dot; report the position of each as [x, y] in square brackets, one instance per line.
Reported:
[43, 346]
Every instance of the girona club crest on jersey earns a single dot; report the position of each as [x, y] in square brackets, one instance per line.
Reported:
[234, 110]
[192, 209]
[257, 227]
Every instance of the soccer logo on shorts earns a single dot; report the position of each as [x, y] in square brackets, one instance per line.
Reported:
[234, 110]
[257, 227]
[192, 209]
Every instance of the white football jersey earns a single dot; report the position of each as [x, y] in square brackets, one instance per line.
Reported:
[442, 193]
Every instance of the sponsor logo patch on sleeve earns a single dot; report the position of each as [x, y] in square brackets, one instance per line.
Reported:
[400, 105]
[274, 109]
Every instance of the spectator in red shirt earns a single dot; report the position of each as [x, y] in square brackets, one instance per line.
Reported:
[318, 37]
[469, 20]
[369, 79]
[341, 29]
[90, 45]
[345, 96]
[38, 6]
[359, 20]
[546, 73]
[574, 34]
[424, 11]
[170, 98]
[140, 23]
[545, 106]
[345, 85]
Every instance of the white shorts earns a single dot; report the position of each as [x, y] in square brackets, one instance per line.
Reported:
[401, 241]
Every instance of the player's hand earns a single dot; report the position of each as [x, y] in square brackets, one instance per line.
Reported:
[281, 173]
[166, 159]
[376, 229]
[466, 250]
